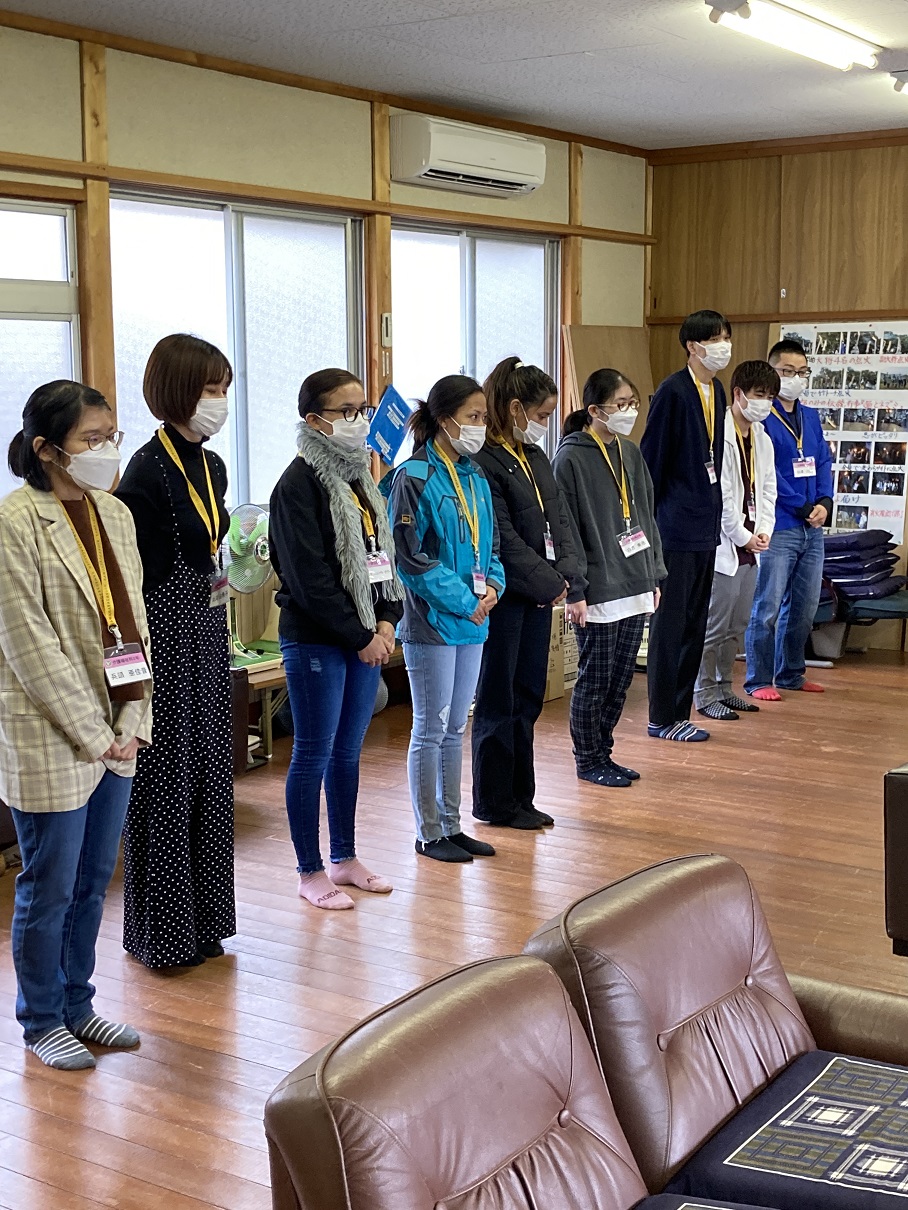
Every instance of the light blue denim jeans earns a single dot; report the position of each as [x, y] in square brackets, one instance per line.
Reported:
[785, 604]
[442, 685]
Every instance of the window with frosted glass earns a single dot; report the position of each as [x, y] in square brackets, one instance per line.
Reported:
[426, 276]
[33, 245]
[510, 303]
[32, 352]
[169, 268]
[295, 322]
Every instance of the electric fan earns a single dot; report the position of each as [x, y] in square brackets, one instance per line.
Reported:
[247, 555]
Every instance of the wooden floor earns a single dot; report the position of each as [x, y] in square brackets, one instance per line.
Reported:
[794, 793]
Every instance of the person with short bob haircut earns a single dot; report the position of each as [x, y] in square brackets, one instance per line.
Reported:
[178, 901]
[683, 447]
[446, 539]
[75, 706]
[540, 563]
[748, 520]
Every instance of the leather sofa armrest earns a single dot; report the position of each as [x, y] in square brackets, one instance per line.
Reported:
[854, 1020]
[307, 1166]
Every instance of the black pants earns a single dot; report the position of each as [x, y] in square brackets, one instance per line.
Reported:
[676, 634]
[608, 656]
[508, 702]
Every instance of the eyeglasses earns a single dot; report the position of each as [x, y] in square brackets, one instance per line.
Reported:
[787, 372]
[98, 443]
[350, 414]
[620, 405]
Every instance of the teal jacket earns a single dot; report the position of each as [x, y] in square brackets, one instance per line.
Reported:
[434, 549]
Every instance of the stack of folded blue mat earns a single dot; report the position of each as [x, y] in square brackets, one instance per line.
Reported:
[859, 565]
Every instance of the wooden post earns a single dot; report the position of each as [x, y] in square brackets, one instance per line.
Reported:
[571, 277]
[93, 233]
[378, 264]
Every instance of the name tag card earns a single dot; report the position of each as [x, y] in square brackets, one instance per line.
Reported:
[220, 589]
[632, 542]
[711, 471]
[804, 468]
[125, 665]
[479, 581]
[378, 564]
[549, 545]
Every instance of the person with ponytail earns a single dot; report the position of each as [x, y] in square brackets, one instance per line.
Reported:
[340, 601]
[75, 707]
[446, 539]
[609, 494]
[540, 563]
[178, 901]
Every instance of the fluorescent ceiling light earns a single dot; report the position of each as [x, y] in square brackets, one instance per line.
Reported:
[784, 27]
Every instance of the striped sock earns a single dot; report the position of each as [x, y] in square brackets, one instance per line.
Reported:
[61, 1050]
[106, 1033]
[681, 733]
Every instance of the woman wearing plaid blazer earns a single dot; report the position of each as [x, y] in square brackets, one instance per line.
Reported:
[75, 706]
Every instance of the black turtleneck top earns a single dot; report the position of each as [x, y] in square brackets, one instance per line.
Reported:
[155, 492]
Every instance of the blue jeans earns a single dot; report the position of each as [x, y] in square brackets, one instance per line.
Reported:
[332, 696]
[442, 685]
[785, 603]
[68, 860]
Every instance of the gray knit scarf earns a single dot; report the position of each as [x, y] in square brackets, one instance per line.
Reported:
[336, 469]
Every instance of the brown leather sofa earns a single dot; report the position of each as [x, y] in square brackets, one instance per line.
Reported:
[678, 985]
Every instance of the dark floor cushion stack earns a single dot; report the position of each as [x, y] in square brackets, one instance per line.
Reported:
[859, 565]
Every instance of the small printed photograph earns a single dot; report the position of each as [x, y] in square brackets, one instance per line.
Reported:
[862, 420]
[864, 343]
[804, 339]
[853, 482]
[854, 453]
[893, 382]
[892, 343]
[888, 484]
[890, 453]
[833, 450]
[831, 342]
[831, 419]
[861, 380]
[892, 420]
[850, 516]
[829, 380]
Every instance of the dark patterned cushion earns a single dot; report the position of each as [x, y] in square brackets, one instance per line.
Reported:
[829, 1133]
[666, 1201]
[836, 544]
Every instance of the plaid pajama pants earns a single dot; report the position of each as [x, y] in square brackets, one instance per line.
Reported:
[608, 653]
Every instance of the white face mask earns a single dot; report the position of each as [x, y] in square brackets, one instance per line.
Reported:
[349, 435]
[716, 356]
[754, 410]
[210, 416]
[622, 423]
[792, 389]
[532, 434]
[471, 440]
[95, 469]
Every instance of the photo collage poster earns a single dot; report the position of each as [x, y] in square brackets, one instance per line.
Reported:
[859, 386]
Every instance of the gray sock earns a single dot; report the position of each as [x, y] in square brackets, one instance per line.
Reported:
[61, 1050]
[106, 1033]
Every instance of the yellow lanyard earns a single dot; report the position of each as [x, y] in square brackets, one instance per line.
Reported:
[521, 457]
[622, 482]
[100, 580]
[709, 413]
[471, 518]
[211, 519]
[368, 525]
[799, 437]
[752, 486]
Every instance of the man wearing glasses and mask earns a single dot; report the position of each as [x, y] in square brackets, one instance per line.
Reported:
[791, 570]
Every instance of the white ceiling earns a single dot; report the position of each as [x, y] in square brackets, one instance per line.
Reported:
[655, 73]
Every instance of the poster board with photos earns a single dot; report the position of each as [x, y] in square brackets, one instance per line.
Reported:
[859, 386]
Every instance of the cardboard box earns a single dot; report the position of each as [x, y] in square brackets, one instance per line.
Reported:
[554, 682]
[571, 654]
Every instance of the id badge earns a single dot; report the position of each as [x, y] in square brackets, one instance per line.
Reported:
[549, 545]
[751, 509]
[711, 471]
[378, 565]
[220, 588]
[125, 665]
[804, 468]
[479, 581]
[632, 541]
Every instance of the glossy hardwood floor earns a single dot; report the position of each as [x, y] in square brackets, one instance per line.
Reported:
[793, 793]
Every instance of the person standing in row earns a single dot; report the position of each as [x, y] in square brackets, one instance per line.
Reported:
[791, 571]
[178, 859]
[446, 539]
[748, 519]
[609, 494]
[683, 446]
[75, 706]
[540, 564]
[340, 601]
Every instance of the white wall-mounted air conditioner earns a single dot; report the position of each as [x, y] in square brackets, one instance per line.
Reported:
[464, 158]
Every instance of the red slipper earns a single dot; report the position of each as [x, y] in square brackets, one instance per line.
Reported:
[767, 695]
[811, 687]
